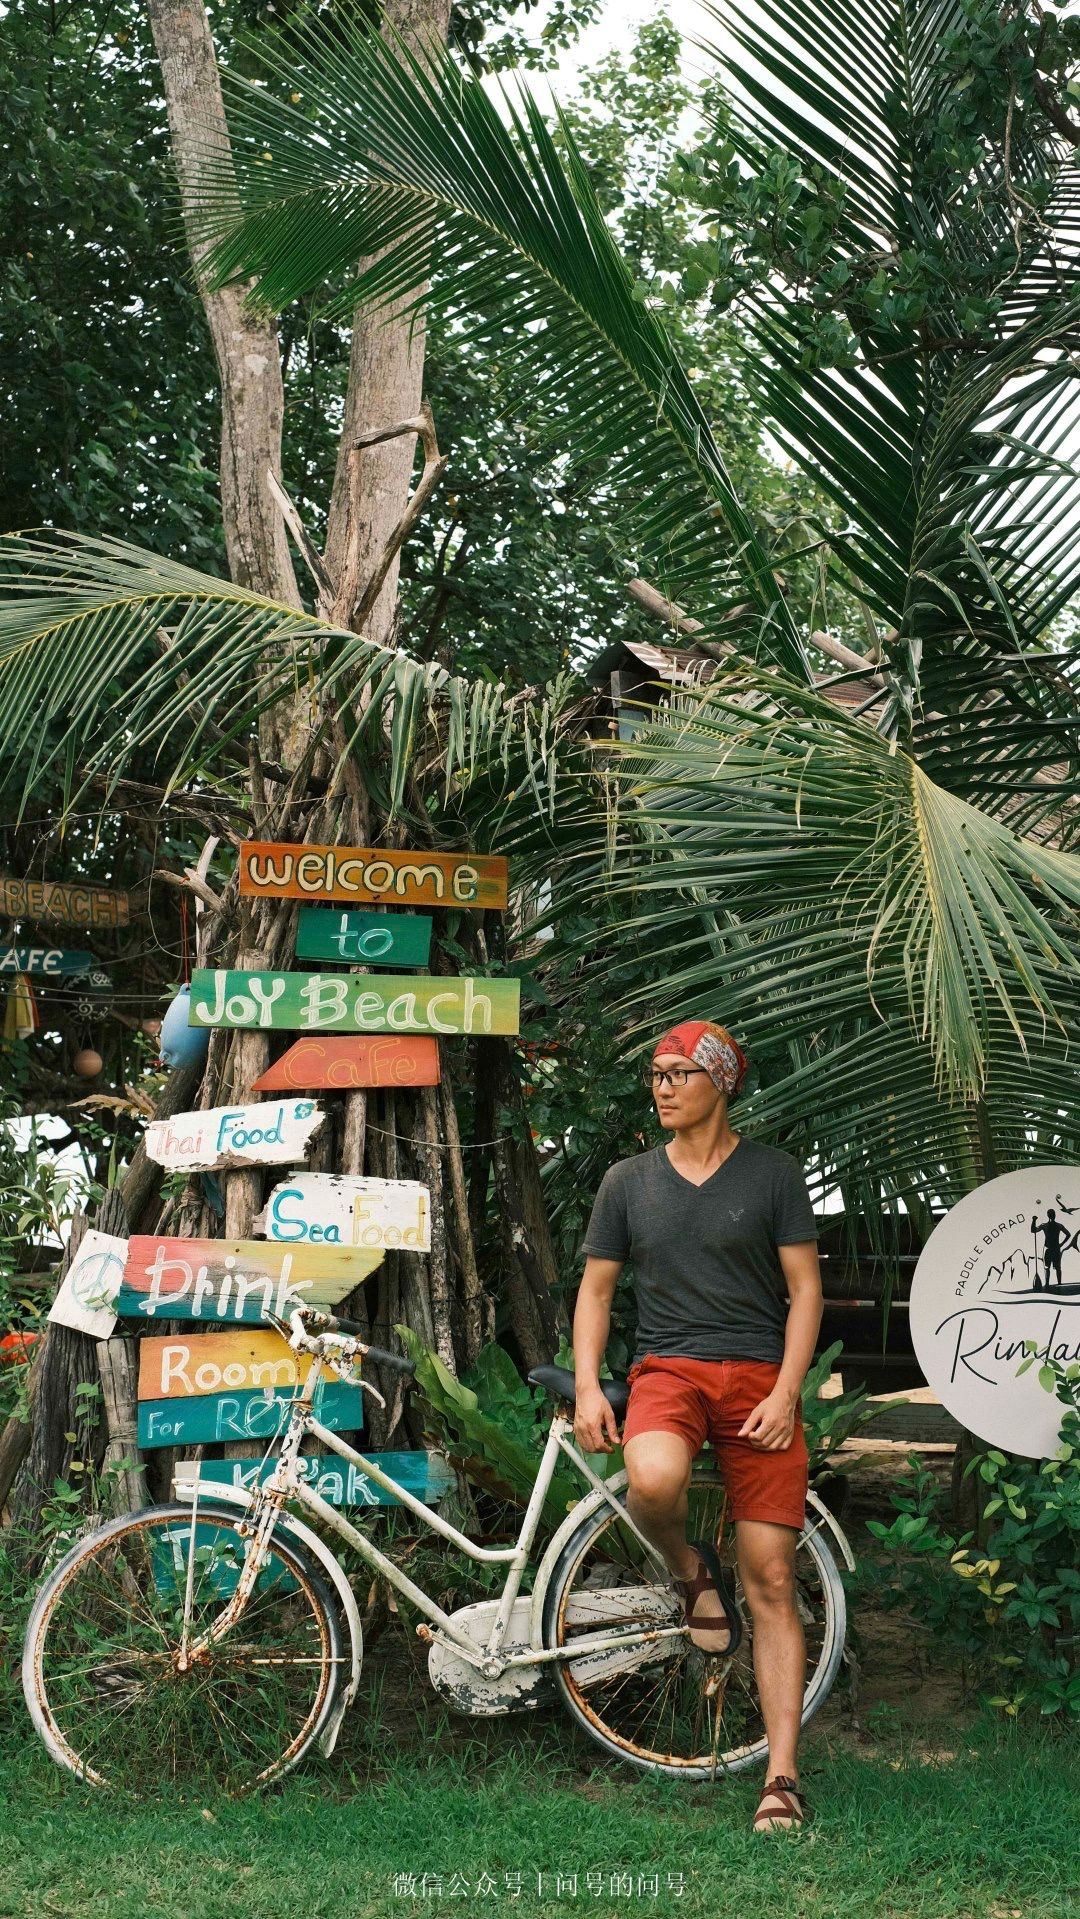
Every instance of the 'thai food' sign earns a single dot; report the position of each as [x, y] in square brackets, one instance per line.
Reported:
[371, 874]
[274, 1134]
[1001, 1268]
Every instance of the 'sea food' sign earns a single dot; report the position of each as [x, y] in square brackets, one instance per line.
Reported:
[1001, 1268]
[346, 1209]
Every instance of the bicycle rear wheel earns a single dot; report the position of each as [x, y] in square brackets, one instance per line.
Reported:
[105, 1674]
[663, 1705]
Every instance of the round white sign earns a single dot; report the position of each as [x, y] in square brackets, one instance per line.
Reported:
[1002, 1267]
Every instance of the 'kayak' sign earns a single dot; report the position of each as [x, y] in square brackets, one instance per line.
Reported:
[1002, 1267]
[236, 1279]
[370, 875]
[74, 902]
[363, 939]
[427, 1475]
[274, 1134]
[334, 1064]
[346, 1209]
[46, 962]
[354, 1003]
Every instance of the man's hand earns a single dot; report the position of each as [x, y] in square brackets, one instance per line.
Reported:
[771, 1426]
[595, 1426]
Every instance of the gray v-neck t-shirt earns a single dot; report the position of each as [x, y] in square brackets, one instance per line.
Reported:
[707, 1277]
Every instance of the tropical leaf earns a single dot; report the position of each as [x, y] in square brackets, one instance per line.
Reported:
[363, 151]
[95, 632]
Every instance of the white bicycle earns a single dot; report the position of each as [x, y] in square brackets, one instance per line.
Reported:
[218, 1639]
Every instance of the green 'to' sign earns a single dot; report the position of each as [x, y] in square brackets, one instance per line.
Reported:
[363, 939]
[354, 1003]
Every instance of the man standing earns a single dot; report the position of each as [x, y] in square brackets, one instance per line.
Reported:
[722, 1235]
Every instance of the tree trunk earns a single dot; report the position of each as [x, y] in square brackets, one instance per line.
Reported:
[386, 378]
[249, 361]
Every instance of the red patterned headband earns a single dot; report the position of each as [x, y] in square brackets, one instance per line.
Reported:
[710, 1046]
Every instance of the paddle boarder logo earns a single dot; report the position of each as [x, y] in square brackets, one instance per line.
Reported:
[1001, 1268]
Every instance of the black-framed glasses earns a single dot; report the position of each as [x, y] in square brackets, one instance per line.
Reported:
[654, 1076]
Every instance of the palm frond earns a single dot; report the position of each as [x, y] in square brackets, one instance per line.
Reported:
[112, 657]
[408, 164]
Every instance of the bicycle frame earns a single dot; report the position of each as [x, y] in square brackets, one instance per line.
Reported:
[267, 1502]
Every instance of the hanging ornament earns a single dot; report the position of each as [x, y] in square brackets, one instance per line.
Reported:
[21, 1015]
[151, 1027]
[181, 1044]
[87, 1063]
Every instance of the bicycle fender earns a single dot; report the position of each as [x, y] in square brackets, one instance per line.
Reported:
[239, 1496]
[835, 1528]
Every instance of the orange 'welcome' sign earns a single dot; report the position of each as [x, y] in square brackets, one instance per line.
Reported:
[382, 1059]
[269, 870]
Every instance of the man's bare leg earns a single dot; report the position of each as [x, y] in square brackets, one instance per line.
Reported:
[766, 1556]
[658, 1466]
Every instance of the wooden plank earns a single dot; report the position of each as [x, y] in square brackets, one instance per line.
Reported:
[76, 902]
[327, 1064]
[365, 875]
[48, 962]
[338, 1481]
[276, 1133]
[243, 1416]
[354, 1002]
[342, 1209]
[190, 1366]
[363, 939]
[923, 1420]
[236, 1280]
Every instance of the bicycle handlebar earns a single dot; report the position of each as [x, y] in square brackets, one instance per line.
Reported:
[318, 1321]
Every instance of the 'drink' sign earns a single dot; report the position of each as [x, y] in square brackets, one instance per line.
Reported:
[1002, 1267]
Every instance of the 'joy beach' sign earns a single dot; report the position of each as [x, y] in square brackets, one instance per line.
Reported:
[363, 939]
[350, 1061]
[354, 1003]
[1002, 1267]
[370, 874]
[345, 1209]
[236, 1279]
[276, 1134]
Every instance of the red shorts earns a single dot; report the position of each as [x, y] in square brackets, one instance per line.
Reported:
[710, 1399]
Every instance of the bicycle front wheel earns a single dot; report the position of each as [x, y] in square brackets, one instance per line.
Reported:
[661, 1704]
[106, 1672]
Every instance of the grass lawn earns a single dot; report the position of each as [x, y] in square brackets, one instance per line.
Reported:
[945, 1821]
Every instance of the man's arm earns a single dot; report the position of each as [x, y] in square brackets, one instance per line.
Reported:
[771, 1425]
[595, 1427]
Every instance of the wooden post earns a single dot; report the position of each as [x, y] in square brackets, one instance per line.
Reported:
[116, 1363]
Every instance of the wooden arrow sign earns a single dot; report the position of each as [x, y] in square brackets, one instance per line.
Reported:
[348, 1209]
[363, 939]
[354, 1003]
[192, 1365]
[262, 1416]
[276, 1134]
[236, 1279]
[364, 875]
[50, 962]
[318, 1064]
[338, 1481]
[75, 902]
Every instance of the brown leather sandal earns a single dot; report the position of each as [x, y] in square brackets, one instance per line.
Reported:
[787, 1814]
[712, 1575]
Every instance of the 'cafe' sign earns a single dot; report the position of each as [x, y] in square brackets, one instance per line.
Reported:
[1002, 1268]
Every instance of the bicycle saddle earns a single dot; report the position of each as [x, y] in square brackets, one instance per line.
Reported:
[559, 1381]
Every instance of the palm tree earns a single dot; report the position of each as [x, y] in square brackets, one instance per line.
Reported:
[855, 891]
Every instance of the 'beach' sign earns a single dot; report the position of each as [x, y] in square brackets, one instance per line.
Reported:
[343, 1209]
[367, 875]
[354, 1003]
[275, 1134]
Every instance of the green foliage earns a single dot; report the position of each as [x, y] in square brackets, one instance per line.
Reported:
[488, 1429]
[1011, 1604]
[828, 1423]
